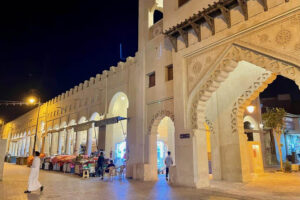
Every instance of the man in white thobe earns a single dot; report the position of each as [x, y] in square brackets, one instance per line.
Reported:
[33, 182]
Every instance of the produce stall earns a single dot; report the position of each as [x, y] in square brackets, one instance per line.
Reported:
[70, 164]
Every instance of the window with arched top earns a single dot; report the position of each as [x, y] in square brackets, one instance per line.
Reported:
[155, 12]
[157, 16]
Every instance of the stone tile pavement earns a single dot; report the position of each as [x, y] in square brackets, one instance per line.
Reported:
[66, 186]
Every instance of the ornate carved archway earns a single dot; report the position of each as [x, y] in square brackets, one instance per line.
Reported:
[157, 118]
[229, 62]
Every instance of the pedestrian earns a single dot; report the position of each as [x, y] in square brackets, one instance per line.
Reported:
[33, 182]
[168, 163]
[100, 165]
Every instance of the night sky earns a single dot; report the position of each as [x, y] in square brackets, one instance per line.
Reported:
[48, 47]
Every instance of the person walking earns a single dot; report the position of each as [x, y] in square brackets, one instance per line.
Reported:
[168, 163]
[100, 165]
[33, 182]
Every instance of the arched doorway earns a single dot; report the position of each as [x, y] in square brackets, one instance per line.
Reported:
[81, 138]
[160, 140]
[62, 138]
[116, 133]
[165, 142]
[223, 98]
[93, 134]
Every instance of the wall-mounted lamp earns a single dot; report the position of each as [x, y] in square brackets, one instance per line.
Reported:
[250, 109]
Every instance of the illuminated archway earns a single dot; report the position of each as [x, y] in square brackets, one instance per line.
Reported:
[93, 132]
[165, 142]
[116, 133]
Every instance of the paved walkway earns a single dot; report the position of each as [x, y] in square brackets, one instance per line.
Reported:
[66, 186]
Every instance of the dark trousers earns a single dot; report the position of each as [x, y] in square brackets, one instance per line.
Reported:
[167, 172]
[99, 171]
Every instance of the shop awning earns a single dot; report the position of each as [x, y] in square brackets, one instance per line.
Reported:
[101, 123]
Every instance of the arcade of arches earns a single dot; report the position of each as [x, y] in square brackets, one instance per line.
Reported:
[220, 66]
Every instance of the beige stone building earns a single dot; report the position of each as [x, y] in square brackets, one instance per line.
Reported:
[186, 90]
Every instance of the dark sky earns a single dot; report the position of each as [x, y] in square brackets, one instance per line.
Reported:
[51, 46]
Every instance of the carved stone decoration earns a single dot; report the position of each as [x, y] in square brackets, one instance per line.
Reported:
[159, 116]
[278, 39]
[295, 20]
[283, 37]
[297, 47]
[210, 125]
[253, 91]
[228, 63]
[197, 67]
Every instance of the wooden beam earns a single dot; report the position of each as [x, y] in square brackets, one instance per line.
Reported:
[173, 41]
[184, 35]
[226, 14]
[264, 4]
[211, 22]
[197, 30]
[244, 8]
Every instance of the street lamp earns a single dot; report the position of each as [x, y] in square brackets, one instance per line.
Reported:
[32, 100]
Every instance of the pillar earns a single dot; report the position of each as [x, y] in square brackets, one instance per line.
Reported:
[72, 141]
[89, 140]
[151, 173]
[27, 145]
[68, 141]
[201, 159]
[54, 146]
[60, 141]
[77, 143]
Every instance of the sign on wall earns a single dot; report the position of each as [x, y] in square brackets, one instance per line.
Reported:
[185, 136]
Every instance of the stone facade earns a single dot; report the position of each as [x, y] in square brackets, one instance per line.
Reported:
[220, 66]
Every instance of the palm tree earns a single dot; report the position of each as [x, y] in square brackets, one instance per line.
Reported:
[274, 118]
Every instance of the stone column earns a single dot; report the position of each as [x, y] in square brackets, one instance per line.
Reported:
[60, 141]
[10, 148]
[77, 143]
[53, 144]
[89, 140]
[19, 147]
[22, 141]
[201, 159]
[68, 141]
[13, 149]
[150, 174]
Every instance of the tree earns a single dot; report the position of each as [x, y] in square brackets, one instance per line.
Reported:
[274, 118]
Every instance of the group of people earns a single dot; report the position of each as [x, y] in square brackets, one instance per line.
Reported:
[34, 184]
[101, 166]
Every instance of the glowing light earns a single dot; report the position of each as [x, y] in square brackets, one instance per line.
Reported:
[122, 98]
[31, 100]
[261, 125]
[252, 126]
[250, 109]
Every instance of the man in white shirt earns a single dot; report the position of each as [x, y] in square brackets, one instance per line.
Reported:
[168, 163]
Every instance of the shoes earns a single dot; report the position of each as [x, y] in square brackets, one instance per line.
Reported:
[27, 192]
[42, 188]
